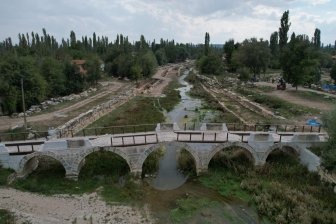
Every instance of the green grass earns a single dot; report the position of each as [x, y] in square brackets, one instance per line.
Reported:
[283, 107]
[209, 103]
[139, 110]
[314, 96]
[187, 208]
[6, 217]
[282, 190]
[172, 97]
[226, 183]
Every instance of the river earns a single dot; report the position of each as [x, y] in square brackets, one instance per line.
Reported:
[168, 176]
[170, 184]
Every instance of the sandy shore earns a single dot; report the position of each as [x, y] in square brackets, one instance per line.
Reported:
[87, 208]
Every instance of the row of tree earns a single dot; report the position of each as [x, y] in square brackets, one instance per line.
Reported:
[301, 59]
[48, 69]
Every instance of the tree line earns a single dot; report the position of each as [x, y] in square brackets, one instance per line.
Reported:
[47, 68]
[301, 59]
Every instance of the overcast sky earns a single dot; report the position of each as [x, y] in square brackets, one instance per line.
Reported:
[182, 20]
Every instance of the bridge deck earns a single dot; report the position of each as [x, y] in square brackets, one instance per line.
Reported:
[144, 138]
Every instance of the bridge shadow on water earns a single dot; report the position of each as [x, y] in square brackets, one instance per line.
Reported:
[168, 176]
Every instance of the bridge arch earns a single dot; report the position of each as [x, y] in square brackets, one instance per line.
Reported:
[184, 145]
[30, 162]
[284, 147]
[226, 145]
[80, 161]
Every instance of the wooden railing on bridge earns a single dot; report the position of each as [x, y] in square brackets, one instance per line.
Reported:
[202, 134]
[13, 136]
[20, 144]
[125, 143]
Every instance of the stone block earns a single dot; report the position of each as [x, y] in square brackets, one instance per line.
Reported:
[306, 138]
[55, 145]
[260, 142]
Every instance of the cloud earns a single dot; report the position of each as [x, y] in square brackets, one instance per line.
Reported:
[185, 21]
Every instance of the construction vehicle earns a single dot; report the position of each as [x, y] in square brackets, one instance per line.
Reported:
[281, 84]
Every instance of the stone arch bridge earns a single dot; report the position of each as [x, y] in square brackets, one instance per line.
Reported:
[134, 148]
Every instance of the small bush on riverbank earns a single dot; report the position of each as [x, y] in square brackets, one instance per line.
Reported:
[6, 217]
[151, 163]
[186, 162]
[4, 173]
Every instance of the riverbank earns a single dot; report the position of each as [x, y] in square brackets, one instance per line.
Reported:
[87, 208]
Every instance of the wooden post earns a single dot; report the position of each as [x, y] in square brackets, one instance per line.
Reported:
[185, 126]
[311, 128]
[190, 137]
[111, 141]
[215, 136]
[178, 136]
[227, 136]
[133, 140]
[203, 137]
[280, 138]
[255, 127]
[319, 129]
[145, 138]
[303, 127]
[242, 138]
[122, 140]
[157, 140]
[18, 147]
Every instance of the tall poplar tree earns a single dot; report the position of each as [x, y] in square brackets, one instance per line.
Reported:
[206, 44]
[283, 30]
[317, 38]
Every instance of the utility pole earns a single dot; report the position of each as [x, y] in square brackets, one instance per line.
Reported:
[23, 105]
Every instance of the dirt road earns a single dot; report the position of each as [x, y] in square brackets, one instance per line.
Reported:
[8, 122]
[87, 208]
[153, 88]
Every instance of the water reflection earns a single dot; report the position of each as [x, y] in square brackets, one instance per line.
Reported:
[168, 176]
